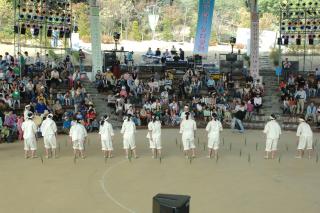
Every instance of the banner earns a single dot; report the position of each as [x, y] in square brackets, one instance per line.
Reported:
[205, 16]
[95, 39]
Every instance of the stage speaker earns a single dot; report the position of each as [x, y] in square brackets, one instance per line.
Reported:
[23, 29]
[279, 41]
[109, 59]
[231, 57]
[166, 203]
[286, 41]
[49, 32]
[310, 41]
[16, 29]
[61, 33]
[298, 41]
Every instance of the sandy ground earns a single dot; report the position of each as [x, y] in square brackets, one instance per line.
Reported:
[233, 183]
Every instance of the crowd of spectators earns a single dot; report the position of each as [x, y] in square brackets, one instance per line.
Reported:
[42, 86]
[166, 94]
[298, 95]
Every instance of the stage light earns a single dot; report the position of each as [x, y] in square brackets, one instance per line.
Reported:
[21, 16]
[28, 16]
[35, 17]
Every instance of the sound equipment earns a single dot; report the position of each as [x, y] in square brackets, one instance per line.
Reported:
[166, 203]
[231, 57]
[177, 65]
[109, 59]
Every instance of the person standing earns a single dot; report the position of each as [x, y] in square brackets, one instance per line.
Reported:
[106, 133]
[214, 127]
[187, 129]
[154, 136]
[128, 130]
[82, 57]
[273, 131]
[301, 97]
[304, 132]
[78, 135]
[29, 129]
[49, 131]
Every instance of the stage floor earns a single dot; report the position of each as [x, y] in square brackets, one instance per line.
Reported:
[234, 183]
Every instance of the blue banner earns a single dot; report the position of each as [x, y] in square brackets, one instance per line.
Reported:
[205, 16]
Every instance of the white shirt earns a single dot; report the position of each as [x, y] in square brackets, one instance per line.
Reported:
[272, 129]
[214, 128]
[304, 129]
[257, 101]
[106, 131]
[78, 132]
[48, 127]
[128, 128]
[187, 128]
[155, 128]
[29, 129]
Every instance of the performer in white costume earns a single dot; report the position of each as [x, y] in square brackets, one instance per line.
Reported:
[187, 129]
[154, 136]
[26, 111]
[128, 130]
[106, 133]
[305, 134]
[49, 131]
[78, 135]
[273, 131]
[214, 127]
[29, 129]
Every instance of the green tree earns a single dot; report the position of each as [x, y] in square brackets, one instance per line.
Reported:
[166, 29]
[135, 33]
[81, 13]
[6, 18]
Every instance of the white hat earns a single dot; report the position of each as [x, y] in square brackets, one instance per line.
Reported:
[27, 106]
[50, 115]
[301, 120]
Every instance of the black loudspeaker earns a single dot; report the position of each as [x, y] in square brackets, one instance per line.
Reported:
[23, 30]
[231, 57]
[16, 29]
[298, 41]
[61, 33]
[67, 33]
[286, 41]
[110, 59]
[279, 41]
[310, 41]
[49, 33]
[36, 31]
[165, 203]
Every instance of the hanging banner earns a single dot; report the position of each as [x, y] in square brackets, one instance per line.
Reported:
[205, 16]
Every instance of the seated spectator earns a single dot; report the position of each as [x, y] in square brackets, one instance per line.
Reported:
[66, 125]
[257, 102]
[311, 112]
[250, 108]
[286, 106]
[57, 109]
[67, 99]
[41, 107]
[292, 105]
[149, 52]
[16, 98]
